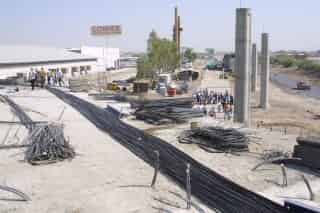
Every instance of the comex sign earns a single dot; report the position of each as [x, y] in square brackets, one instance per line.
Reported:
[106, 30]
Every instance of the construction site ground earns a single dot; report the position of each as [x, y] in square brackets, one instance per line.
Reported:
[106, 177]
[103, 177]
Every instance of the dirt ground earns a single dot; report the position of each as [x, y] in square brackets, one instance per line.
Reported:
[103, 177]
[106, 177]
[288, 110]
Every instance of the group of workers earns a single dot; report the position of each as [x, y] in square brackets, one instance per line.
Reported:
[214, 102]
[42, 77]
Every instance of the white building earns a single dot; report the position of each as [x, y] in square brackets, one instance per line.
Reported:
[108, 58]
[16, 59]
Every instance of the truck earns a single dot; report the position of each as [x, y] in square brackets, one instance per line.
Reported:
[165, 79]
[301, 85]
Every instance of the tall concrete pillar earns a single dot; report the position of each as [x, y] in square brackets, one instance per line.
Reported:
[254, 69]
[265, 71]
[242, 65]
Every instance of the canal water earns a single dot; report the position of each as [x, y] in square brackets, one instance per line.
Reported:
[284, 80]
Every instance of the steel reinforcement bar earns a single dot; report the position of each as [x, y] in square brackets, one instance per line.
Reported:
[211, 188]
[18, 111]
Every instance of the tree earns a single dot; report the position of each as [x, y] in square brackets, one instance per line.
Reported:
[144, 68]
[162, 57]
[190, 55]
[152, 38]
[284, 60]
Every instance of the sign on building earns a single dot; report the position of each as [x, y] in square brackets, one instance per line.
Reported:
[105, 30]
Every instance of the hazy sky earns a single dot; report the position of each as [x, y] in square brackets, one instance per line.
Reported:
[292, 24]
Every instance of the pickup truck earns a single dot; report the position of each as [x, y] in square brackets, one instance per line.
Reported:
[303, 85]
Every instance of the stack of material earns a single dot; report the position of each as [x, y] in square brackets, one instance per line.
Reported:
[79, 85]
[140, 87]
[214, 190]
[308, 150]
[159, 103]
[163, 111]
[47, 144]
[110, 96]
[223, 140]
[120, 109]
[165, 115]
[273, 154]
[97, 81]
[20, 113]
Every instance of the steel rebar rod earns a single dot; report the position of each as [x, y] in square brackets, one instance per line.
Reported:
[156, 168]
[210, 187]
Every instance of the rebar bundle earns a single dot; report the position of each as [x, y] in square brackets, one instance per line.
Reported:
[48, 144]
[308, 149]
[164, 111]
[18, 111]
[164, 115]
[216, 138]
[273, 154]
[167, 102]
[213, 189]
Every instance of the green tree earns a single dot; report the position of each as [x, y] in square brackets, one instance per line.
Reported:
[190, 55]
[162, 57]
[301, 63]
[284, 60]
[153, 37]
[144, 68]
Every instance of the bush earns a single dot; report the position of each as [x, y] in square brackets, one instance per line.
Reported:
[284, 60]
[289, 61]
[308, 65]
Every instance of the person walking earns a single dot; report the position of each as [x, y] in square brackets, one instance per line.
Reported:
[32, 78]
[37, 77]
[60, 77]
[42, 77]
[49, 78]
[213, 111]
[227, 111]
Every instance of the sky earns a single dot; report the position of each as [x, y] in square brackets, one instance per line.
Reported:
[292, 24]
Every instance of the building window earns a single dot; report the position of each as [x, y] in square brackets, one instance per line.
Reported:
[82, 70]
[73, 71]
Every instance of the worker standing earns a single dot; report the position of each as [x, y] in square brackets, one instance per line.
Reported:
[227, 111]
[49, 76]
[60, 77]
[32, 78]
[42, 77]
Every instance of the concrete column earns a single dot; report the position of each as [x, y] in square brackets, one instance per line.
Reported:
[265, 71]
[242, 65]
[254, 70]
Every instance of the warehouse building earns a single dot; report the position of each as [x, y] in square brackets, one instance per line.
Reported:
[15, 59]
[107, 58]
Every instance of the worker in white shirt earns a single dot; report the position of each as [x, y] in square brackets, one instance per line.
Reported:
[60, 77]
[32, 78]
